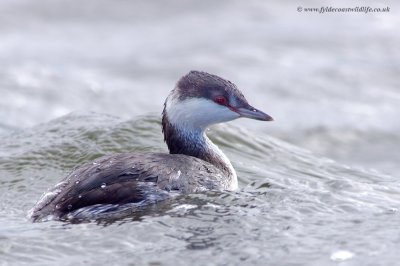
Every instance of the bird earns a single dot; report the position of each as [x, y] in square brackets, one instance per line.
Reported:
[194, 163]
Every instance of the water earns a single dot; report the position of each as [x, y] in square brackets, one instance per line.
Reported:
[330, 81]
[292, 207]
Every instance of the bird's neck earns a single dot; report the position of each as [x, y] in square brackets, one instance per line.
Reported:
[194, 142]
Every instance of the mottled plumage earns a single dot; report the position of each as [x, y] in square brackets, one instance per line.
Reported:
[194, 164]
[126, 178]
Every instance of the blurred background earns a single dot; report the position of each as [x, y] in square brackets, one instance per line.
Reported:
[331, 81]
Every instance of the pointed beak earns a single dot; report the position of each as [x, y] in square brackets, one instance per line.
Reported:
[253, 113]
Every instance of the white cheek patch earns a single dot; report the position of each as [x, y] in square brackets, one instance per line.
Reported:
[198, 113]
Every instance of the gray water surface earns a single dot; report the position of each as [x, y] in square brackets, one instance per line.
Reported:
[331, 81]
[292, 209]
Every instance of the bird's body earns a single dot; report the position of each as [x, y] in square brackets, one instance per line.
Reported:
[194, 164]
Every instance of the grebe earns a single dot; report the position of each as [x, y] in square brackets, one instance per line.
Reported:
[194, 163]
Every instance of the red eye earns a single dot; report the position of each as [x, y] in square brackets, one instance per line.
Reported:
[220, 100]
